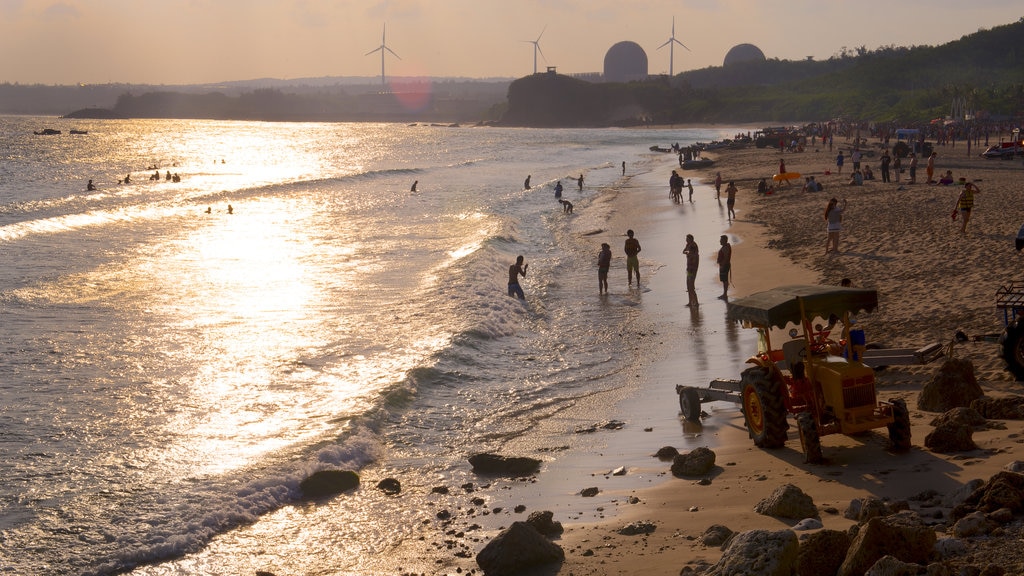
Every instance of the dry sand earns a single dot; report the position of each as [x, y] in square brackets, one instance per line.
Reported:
[931, 281]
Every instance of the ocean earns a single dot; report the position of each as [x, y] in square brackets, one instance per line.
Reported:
[263, 300]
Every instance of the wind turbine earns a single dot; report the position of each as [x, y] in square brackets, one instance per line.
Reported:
[382, 49]
[536, 48]
[671, 42]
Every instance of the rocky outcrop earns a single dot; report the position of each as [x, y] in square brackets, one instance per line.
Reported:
[787, 501]
[758, 553]
[328, 483]
[544, 522]
[390, 486]
[1009, 408]
[716, 535]
[902, 535]
[953, 385]
[518, 548]
[950, 436]
[496, 464]
[1004, 490]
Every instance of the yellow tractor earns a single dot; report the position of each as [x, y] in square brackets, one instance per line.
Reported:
[801, 369]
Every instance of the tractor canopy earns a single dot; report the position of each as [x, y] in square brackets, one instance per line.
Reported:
[781, 306]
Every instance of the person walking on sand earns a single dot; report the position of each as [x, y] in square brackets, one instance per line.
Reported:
[604, 262]
[913, 168]
[718, 185]
[730, 200]
[514, 272]
[692, 262]
[689, 186]
[632, 249]
[526, 183]
[724, 265]
[886, 160]
[833, 224]
[897, 167]
[965, 204]
[930, 168]
[839, 162]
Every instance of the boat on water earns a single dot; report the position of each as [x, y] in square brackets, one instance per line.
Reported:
[46, 132]
[698, 163]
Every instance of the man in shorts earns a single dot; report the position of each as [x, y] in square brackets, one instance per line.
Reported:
[632, 248]
[514, 272]
[724, 265]
[692, 262]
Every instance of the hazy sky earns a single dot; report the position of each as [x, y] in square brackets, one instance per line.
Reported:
[203, 41]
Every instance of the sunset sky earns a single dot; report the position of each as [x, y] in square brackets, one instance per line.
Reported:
[206, 41]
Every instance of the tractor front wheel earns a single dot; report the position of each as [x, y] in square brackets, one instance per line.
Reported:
[763, 408]
[899, 430]
[1011, 344]
[689, 403]
[810, 441]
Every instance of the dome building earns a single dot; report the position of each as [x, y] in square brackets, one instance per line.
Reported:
[743, 53]
[625, 62]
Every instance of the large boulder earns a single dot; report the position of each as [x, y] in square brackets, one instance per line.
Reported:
[1003, 490]
[328, 483]
[787, 501]
[968, 416]
[950, 436]
[518, 548]
[953, 385]
[698, 462]
[1008, 408]
[544, 522]
[892, 566]
[822, 552]
[486, 463]
[758, 553]
[902, 535]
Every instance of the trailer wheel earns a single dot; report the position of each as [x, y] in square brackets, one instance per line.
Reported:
[763, 409]
[810, 441]
[1011, 344]
[689, 403]
[899, 430]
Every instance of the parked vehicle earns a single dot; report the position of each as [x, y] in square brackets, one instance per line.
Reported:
[800, 369]
[1005, 150]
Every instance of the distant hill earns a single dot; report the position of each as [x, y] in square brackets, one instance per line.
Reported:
[981, 74]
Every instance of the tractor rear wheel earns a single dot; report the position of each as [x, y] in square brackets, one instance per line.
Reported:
[810, 441]
[763, 408]
[1011, 345]
[689, 404]
[899, 430]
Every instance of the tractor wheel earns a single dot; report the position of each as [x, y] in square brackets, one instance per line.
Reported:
[899, 430]
[809, 439]
[1011, 344]
[689, 404]
[763, 408]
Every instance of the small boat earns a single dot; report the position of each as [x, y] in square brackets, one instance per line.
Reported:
[78, 132]
[46, 132]
[660, 149]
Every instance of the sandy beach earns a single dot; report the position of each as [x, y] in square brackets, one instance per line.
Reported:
[898, 239]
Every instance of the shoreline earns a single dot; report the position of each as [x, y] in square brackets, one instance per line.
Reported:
[771, 250]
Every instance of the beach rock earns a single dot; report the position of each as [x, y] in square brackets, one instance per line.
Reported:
[902, 535]
[953, 385]
[590, 492]
[666, 452]
[698, 462]
[808, 524]
[950, 547]
[390, 486]
[974, 524]
[961, 415]
[961, 494]
[864, 509]
[518, 548]
[892, 566]
[950, 437]
[637, 528]
[1009, 408]
[544, 522]
[758, 553]
[822, 553]
[1003, 490]
[716, 535]
[787, 501]
[328, 483]
[1015, 466]
[486, 463]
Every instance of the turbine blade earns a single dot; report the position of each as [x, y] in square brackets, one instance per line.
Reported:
[681, 44]
[374, 50]
[392, 52]
[542, 32]
[667, 42]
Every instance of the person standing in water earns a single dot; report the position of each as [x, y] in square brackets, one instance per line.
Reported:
[730, 200]
[623, 168]
[692, 262]
[514, 272]
[580, 182]
[526, 183]
[558, 189]
[632, 249]
[413, 189]
[724, 265]
[604, 262]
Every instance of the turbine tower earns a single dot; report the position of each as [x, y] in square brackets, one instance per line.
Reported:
[382, 49]
[536, 48]
[671, 42]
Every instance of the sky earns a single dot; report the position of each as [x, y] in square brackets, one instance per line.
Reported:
[175, 42]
